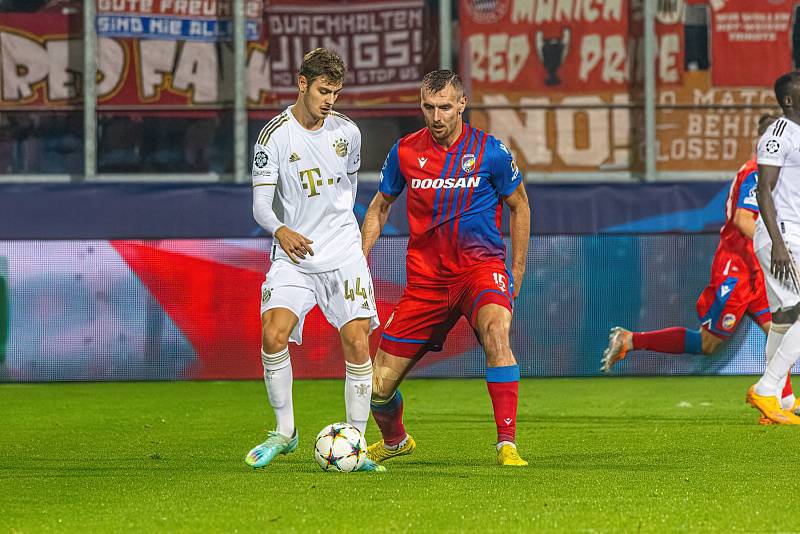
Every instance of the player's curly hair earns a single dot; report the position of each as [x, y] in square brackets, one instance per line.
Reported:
[437, 80]
[783, 86]
[323, 63]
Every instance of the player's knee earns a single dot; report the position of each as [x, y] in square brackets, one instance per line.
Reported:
[382, 389]
[494, 332]
[710, 344]
[274, 337]
[356, 347]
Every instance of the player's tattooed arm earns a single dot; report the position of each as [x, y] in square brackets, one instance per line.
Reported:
[782, 266]
[374, 220]
[520, 223]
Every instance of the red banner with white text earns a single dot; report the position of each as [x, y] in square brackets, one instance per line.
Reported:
[750, 37]
[564, 80]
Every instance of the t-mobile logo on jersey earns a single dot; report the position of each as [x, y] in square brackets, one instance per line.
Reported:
[446, 183]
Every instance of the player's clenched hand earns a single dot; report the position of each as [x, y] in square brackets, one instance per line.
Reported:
[517, 283]
[293, 244]
[782, 266]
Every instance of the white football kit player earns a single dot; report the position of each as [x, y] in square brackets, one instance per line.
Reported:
[780, 147]
[308, 180]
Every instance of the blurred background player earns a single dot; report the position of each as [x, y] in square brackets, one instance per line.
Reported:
[308, 159]
[458, 178]
[777, 234]
[736, 287]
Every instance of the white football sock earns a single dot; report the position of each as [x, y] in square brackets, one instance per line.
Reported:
[787, 403]
[278, 378]
[774, 338]
[781, 362]
[357, 393]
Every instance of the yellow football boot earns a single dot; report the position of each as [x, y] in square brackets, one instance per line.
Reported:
[377, 452]
[508, 455]
[770, 408]
[795, 409]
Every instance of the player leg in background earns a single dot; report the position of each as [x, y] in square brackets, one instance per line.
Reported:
[419, 323]
[720, 308]
[277, 325]
[387, 406]
[493, 325]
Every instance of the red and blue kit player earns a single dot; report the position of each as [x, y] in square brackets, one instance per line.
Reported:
[736, 287]
[457, 178]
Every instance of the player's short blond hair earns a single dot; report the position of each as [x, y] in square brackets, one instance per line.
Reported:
[323, 63]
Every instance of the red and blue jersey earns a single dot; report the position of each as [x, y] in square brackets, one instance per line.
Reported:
[454, 200]
[742, 195]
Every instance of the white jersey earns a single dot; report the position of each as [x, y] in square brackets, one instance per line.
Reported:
[314, 193]
[780, 147]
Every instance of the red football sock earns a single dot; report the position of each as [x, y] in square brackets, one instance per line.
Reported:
[669, 340]
[504, 402]
[787, 388]
[389, 417]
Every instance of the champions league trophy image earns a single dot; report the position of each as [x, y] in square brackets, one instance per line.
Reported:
[552, 52]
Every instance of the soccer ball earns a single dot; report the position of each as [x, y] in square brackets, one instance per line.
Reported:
[340, 447]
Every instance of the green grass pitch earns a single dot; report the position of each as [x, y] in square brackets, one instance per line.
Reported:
[606, 454]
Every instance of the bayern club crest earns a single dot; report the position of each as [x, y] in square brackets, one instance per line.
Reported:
[468, 163]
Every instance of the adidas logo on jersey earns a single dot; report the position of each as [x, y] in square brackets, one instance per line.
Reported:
[446, 183]
[294, 157]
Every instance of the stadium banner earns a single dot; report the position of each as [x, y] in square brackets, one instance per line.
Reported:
[381, 44]
[582, 56]
[179, 56]
[748, 37]
[189, 309]
[175, 211]
[207, 20]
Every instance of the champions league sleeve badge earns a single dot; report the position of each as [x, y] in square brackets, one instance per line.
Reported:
[260, 159]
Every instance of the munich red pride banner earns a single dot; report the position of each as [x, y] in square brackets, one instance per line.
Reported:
[566, 45]
[749, 41]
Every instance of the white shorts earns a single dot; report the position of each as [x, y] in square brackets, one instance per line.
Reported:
[343, 294]
[781, 295]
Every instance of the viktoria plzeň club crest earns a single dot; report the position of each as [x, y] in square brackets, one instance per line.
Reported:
[468, 162]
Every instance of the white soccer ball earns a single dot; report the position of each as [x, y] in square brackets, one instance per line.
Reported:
[340, 447]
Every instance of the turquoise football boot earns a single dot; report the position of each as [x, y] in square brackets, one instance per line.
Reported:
[276, 444]
[371, 467]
